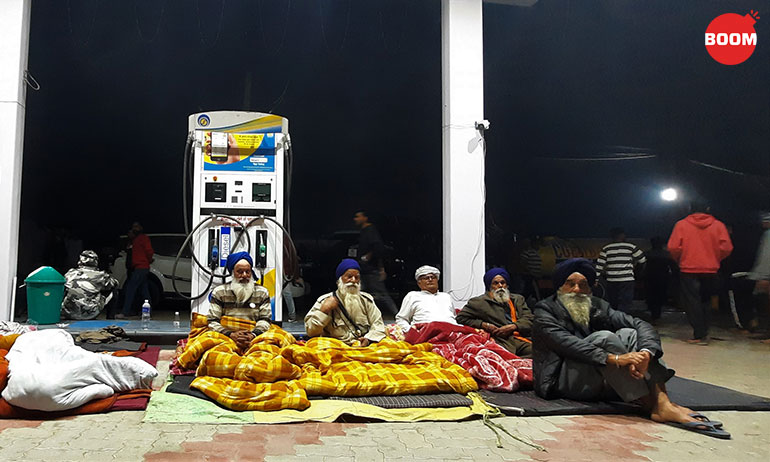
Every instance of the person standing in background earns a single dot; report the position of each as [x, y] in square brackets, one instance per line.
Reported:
[616, 263]
[370, 251]
[140, 249]
[659, 269]
[532, 265]
[761, 271]
[698, 244]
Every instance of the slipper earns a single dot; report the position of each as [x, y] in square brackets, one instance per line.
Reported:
[703, 428]
[704, 419]
[698, 341]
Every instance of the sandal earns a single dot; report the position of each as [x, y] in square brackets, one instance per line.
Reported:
[704, 419]
[703, 428]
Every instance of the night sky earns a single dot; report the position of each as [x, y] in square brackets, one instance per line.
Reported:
[360, 83]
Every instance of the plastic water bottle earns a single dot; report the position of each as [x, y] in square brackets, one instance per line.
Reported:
[146, 315]
[176, 320]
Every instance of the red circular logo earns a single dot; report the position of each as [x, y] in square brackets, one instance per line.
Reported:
[731, 38]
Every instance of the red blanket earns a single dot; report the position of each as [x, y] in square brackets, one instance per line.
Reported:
[494, 367]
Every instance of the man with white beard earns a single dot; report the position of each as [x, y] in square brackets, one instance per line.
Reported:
[504, 315]
[240, 298]
[346, 314]
[585, 350]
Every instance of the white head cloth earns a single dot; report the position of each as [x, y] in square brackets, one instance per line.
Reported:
[423, 270]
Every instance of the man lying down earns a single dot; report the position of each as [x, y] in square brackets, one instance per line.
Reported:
[585, 350]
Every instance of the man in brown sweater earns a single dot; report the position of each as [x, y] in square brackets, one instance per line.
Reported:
[504, 315]
[240, 298]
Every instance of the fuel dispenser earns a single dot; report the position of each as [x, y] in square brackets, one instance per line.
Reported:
[237, 161]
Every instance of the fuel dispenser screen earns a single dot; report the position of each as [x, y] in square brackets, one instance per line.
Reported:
[260, 192]
[216, 192]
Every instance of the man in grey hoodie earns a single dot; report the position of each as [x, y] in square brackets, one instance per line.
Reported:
[761, 270]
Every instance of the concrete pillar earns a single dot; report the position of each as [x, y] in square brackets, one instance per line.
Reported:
[462, 68]
[14, 47]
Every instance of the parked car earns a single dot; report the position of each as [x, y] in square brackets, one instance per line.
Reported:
[166, 247]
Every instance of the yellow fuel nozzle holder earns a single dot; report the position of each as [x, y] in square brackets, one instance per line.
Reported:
[45, 292]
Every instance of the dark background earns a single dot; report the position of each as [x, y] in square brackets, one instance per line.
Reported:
[360, 83]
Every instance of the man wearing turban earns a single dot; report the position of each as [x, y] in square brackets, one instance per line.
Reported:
[346, 314]
[240, 298]
[428, 304]
[504, 315]
[585, 350]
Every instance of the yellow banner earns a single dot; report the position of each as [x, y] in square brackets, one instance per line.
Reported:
[247, 140]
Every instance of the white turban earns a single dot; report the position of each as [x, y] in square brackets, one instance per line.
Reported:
[423, 270]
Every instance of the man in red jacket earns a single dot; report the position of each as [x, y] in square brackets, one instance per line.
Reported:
[698, 244]
[141, 255]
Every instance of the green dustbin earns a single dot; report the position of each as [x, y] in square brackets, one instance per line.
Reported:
[45, 292]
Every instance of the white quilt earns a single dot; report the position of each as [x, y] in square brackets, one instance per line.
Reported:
[46, 371]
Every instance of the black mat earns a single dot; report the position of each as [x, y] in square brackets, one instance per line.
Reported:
[696, 395]
[181, 385]
[115, 346]
[407, 401]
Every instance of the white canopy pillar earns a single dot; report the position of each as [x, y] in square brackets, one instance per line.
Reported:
[14, 48]
[462, 67]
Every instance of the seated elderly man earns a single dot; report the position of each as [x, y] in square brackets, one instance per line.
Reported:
[585, 350]
[346, 314]
[504, 315]
[427, 304]
[240, 298]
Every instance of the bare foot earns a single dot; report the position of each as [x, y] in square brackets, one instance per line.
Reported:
[685, 409]
[669, 412]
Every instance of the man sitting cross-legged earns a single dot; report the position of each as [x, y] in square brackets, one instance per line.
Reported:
[346, 314]
[585, 350]
[241, 298]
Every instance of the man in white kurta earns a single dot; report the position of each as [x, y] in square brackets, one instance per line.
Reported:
[427, 304]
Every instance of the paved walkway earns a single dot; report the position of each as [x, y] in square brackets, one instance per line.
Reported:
[734, 361]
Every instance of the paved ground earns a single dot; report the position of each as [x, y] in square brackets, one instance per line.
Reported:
[734, 361]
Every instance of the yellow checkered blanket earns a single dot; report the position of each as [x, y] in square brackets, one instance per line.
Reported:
[278, 373]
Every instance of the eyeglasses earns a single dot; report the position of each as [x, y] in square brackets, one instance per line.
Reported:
[428, 277]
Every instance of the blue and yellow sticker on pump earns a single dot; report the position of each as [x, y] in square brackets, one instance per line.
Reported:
[246, 152]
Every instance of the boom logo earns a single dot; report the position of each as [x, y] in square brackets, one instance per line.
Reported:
[731, 38]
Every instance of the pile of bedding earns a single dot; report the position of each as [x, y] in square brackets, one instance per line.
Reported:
[277, 372]
[495, 368]
[46, 371]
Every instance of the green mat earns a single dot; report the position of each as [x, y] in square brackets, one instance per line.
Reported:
[176, 408]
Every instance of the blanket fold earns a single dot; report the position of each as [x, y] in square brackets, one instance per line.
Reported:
[277, 372]
[494, 367]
